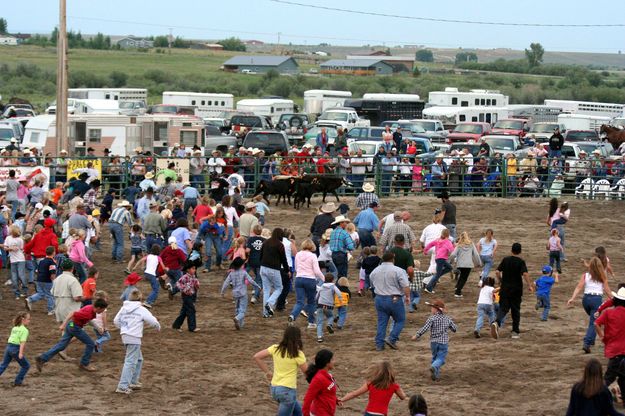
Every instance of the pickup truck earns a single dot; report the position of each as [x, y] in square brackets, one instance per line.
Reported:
[241, 124]
[464, 132]
[434, 129]
[543, 131]
[294, 125]
[513, 126]
[346, 117]
[505, 144]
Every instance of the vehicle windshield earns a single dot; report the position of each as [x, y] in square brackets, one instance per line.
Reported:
[270, 142]
[367, 148]
[163, 109]
[126, 105]
[414, 128]
[589, 147]
[468, 128]
[474, 149]
[509, 124]
[543, 128]
[501, 144]
[376, 134]
[247, 121]
[425, 125]
[333, 116]
[581, 135]
[330, 131]
[288, 117]
[6, 134]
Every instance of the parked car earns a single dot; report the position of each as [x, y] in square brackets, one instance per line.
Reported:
[132, 108]
[311, 134]
[345, 116]
[13, 110]
[513, 126]
[241, 124]
[18, 128]
[581, 136]
[214, 140]
[543, 131]
[365, 133]
[6, 134]
[434, 129]
[505, 144]
[408, 129]
[270, 141]
[369, 149]
[181, 110]
[474, 148]
[464, 132]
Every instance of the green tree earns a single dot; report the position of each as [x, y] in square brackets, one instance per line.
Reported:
[424, 55]
[161, 42]
[233, 44]
[534, 54]
[180, 43]
[3, 26]
[118, 79]
[462, 57]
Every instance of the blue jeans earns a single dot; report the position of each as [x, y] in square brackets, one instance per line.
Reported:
[257, 279]
[240, 307]
[18, 276]
[326, 312]
[11, 353]
[389, 307]
[591, 303]
[415, 297]
[44, 291]
[155, 288]
[287, 401]
[152, 239]
[488, 264]
[452, 231]
[14, 206]
[186, 311]
[442, 267]
[484, 309]
[341, 313]
[174, 275]
[305, 290]
[189, 203]
[197, 181]
[331, 268]
[117, 232]
[543, 301]
[225, 245]
[133, 362]
[209, 242]
[562, 235]
[101, 338]
[80, 272]
[366, 238]
[272, 286]
[71, 330]
[439, 353]
[339, 259]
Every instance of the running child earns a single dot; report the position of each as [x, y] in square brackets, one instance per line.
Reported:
[417, 405]
[325, 305]
[188, 286]
[252, 249]
[89, 286]
[554, 247]
[238, 249]
[416, 285]
[137, 244]
[16, 346]
[342, 302]
[100, 322]
[438, 324]
[366, 251]
[320, 397]
[46, 273]
[152, 262]
[443, 248]
[131, 284]
[381, 385]
[236, 279]
[485, 305]
[369, 263]
[543, 290]
[261, 209]
[130, 320]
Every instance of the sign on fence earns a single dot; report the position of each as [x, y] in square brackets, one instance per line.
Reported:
[181, 169]
[77, 166]
[29, 172]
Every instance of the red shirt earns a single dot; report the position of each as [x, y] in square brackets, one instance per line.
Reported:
[173, 259]
[82, 316]
[41, 241]
[379, 399]
[613, 322]
[201, 211]
[321, 166]
[320, 399]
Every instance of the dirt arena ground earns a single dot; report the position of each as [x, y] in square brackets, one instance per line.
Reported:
[212, 372]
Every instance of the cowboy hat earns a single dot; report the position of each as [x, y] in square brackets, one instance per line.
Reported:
[63, 152]
[620, 294]
[13, 140]
[195, 152]
[250, 149]
[256, 151]
[266, 233]
[328, 208]
[437, 303]
[132, 279]
[123, 204]
[368, 187]
[138, 149]
[340, 219]
[149, 175]
[250, 205]
[95, 212]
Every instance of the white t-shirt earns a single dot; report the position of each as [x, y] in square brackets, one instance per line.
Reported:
[359, 170]
[430, 233]
[287, 250]
[231, 215]
[596, 288]
[235, 181]
[325, 253]
[486, 295]
[389, 220]
[151, 264]
[17, 255]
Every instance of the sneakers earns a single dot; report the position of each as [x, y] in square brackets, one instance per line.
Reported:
[137, 386]
[304, 314]
[253, 300]
[336, 319]
[50, 313]
[458, 296]
[312, 326]
[515, 335]
[88, 368]
[291, 320]
[391, 344]
[237, 324]
[494, 330]
[480, 283]
[477, 334]
[320, 340]
[431, 292]
[205, 271]
[123, 391]
[330, 329]
[126, 270]
[40, 364]
[147, 305]
[585, 348]
[268, 309]
[433, 373]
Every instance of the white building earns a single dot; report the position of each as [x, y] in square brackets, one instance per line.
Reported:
[8, 40]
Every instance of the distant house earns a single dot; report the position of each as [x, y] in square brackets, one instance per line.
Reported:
[262, 64]
[372, 66]
[399, 63]
[131, 42]
[22, 37]
[8, 40]
[254, 42]
[379, 53]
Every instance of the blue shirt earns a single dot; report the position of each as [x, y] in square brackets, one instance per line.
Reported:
[261, 208]
[182, 234]
[190, 193]
[543, 285]
[367, 220]
[340, 241]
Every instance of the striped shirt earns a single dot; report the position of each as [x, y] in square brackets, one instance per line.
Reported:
[398, 227]
[364, 199]
[438, 325]
[121, 216]
[340, 241]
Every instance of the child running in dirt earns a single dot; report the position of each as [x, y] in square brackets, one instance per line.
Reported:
[16, 347]
[236, 279]
[381, 385]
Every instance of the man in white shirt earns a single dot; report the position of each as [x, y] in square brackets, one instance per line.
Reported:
[216, 163]
[196, 170]
[431, 233]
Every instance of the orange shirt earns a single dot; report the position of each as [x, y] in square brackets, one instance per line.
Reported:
[56, 195]
[88, 288]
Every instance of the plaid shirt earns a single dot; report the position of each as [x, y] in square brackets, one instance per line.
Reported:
[340, 241]
[417, 281]
[365, 198]
[388, 237]
[438, 325]
[188, 284]
[121, 216]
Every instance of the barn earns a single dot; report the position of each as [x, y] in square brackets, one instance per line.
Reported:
[262, 64]
[373, 66]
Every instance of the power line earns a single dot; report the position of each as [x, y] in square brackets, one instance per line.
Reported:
[440, 20]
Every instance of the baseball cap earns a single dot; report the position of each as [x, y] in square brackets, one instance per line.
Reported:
[547, 269]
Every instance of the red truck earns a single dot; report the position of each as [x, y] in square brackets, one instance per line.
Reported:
[463, 132]
[512, 126]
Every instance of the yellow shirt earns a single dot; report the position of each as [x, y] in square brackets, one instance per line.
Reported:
[19, 334]
[511, 164]
[285, 368]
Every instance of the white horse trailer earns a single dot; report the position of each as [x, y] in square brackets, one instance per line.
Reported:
[270, 107]
[450, 116]
[317, 101]
[582, 121]
[116, 94]
[588, 107]
[451, 97]
[206, 104]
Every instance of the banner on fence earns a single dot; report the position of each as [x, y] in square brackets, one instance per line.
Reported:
[181, 168]
[29, 172]
[76, 167]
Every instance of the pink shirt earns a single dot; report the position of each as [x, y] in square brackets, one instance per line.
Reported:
[307, 265]
[77, 253]
[443, 248]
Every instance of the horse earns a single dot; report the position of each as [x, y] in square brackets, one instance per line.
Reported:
[614, 135]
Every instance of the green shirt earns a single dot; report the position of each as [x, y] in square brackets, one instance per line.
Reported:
[403, 258]
[167, 173]
[19, 334]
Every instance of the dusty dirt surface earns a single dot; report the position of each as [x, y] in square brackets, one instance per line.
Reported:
[212, 372]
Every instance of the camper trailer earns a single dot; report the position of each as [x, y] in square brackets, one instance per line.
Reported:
[270, 107]
[582, 121]
[450, 116]
[588, 107]
[115, 94]
[451, 97]
[206, 104]
[317, 101]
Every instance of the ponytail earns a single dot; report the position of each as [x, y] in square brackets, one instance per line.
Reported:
[17, 321]
[322, 359]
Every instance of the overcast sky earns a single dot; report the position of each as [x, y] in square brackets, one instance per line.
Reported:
[263, 19]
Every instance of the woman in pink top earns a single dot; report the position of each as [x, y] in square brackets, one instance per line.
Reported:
[308, 272]
[442, 249]
[78, 256]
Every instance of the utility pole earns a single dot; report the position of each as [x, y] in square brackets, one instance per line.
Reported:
[170, 40]
[61, 82]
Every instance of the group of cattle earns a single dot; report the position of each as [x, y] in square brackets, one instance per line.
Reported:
[301, 188]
